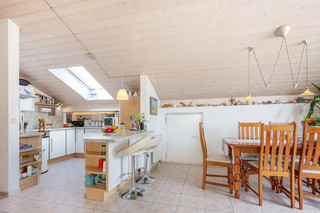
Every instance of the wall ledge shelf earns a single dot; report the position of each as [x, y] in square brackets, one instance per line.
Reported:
[47, 105]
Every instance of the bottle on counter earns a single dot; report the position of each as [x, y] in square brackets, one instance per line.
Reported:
[122, 128]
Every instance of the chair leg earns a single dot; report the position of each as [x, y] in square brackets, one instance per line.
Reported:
[273, 182]
[260, 189]
[300, 193]
[230, 179]
[246, 184]
[292, 191]
[314, 186]
[242, 174]
[204, 175]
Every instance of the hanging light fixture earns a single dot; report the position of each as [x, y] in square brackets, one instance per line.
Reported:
[307, 92]
[122, 93]
[249, 96]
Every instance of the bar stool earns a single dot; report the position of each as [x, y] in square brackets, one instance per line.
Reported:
[133, 150]
[146, 179]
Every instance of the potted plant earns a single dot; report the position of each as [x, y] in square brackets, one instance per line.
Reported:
[315, 102]
[141, 119]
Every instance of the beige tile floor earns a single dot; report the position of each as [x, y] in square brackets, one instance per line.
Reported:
[178, 189]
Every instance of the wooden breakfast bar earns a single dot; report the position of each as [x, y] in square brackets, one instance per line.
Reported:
[104, 167]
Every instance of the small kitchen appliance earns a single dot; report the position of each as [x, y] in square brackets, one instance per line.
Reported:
[108, 121]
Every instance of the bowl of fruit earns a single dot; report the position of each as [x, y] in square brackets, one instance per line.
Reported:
[111, 130]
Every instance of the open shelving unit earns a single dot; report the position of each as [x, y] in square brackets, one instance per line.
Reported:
[34, 140]
[92, 156]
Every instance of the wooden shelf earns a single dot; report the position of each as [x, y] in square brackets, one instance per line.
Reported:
[30, 163]
[43, 104]
[94, 170]
[95, 187]
[95, 154]
[30, 176]
[30, 151]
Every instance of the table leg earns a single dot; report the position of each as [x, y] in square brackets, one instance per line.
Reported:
[236, 152]
[230, 152]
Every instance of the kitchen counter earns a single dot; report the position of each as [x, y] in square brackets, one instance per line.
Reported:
[66, 128]
[115, 165]
[31, 134]
[102, 137]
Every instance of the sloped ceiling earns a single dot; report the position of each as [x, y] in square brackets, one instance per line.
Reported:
[190, 49]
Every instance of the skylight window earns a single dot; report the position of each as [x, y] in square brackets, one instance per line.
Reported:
[80, 80]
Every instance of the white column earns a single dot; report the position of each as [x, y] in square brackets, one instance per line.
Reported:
[9, 107]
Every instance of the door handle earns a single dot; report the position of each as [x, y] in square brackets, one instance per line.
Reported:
[51, 145]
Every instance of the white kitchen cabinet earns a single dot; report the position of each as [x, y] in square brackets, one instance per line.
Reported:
[71, 141]
[27, 104]
[79, 141]
[57, 143]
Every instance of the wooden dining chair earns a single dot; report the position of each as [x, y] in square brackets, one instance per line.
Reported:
[248, 131]
[213, 160]
[277, 181]
[278, 143]
[309, 165]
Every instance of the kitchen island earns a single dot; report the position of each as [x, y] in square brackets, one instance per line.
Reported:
[115, 165]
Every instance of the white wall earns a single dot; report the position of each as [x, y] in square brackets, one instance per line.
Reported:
[146, 91]
[9, 107]
[222, 121]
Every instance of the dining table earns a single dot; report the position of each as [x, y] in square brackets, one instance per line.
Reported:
[233, 147]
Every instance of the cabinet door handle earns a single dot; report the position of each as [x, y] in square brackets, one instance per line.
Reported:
[51, 144]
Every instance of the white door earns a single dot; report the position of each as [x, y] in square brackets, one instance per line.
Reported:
[183, 140]
[57, 144]
[71, 141]
[79, 141]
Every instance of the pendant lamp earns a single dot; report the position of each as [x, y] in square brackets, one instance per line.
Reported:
[249, 96]
[122, 93]
[307, 91]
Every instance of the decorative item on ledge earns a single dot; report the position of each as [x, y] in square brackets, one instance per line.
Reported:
[237, 102]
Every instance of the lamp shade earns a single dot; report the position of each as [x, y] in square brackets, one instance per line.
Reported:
[248, 97]
[307, 92]
[122, 95]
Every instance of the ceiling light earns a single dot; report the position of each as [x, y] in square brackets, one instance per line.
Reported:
[122, 93]
[249, 96]
[307, 92]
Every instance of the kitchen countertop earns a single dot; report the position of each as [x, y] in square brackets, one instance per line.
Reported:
[64, 128]
[99, 137]
[31, 134]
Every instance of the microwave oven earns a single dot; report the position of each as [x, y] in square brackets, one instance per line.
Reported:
[108, 121]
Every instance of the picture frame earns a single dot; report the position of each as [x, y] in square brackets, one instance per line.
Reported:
[153, 106]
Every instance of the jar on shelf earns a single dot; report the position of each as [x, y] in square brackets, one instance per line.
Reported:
[103, 150]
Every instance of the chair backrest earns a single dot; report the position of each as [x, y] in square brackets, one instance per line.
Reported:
[279, 123]
[309, 159]
[249, 130]
[278, 143]
[203, 141]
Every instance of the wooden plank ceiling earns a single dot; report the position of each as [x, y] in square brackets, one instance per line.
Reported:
[190, 49]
